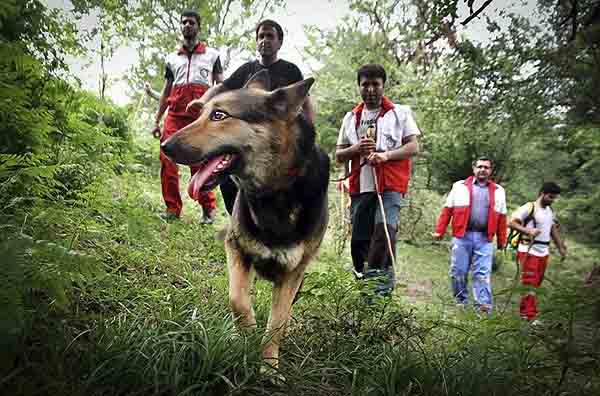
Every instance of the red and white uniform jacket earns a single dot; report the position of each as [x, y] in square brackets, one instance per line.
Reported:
[192, 75]
[394, 123]
[458, 208]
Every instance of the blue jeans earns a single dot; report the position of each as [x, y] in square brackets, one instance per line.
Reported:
[474, 252]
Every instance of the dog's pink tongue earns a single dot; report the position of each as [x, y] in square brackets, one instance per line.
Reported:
[202, 176]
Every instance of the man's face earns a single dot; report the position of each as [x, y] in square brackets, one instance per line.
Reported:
[548, 199]
[189, 27]
[267, 41]
[371, 91]
[482, 170]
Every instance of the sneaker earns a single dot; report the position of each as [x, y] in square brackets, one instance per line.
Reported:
[208, 216]
[169, 216]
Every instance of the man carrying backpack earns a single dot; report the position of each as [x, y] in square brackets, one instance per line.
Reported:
[536, 224]
[477, 207]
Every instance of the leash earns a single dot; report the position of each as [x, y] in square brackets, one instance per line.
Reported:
[349, 174]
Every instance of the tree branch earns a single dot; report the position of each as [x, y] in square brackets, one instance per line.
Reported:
[471, 16]
[476, 13]
[222, 24]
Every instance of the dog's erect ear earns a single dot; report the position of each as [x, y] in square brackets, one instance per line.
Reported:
[259, 80]
[286, 101]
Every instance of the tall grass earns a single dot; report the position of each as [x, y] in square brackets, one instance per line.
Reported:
[132, 305]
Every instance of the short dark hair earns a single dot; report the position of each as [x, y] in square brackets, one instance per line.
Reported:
[190, 13]
[483, 158]
[371, 70]
[550, 188]
[272, 24]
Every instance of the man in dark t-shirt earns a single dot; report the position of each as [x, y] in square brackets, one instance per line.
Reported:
[282, 73]
[269, 38]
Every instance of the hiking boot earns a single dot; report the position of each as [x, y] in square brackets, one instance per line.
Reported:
[208, 216]
[169, 216]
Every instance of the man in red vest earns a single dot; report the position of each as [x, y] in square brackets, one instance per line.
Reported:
[379, 138]
[189, 73]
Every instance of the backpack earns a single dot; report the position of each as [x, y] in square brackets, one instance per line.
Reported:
[516, 237]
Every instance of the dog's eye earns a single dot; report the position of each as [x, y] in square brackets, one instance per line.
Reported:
[218, 115]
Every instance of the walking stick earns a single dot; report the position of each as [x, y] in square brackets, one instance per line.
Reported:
[371, 134]
[385, 229]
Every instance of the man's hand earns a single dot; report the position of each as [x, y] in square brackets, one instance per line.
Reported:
[156, 132]
[147, 88]
[436, 236]
[377, 158]
[562, 250]
[533, 232]
[366, 146]
[195, 104]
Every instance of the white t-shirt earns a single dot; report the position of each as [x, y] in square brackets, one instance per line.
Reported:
[388, 135]
[544, 219]
[368, 119]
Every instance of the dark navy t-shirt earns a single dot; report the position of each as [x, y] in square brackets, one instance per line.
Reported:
[282, 73]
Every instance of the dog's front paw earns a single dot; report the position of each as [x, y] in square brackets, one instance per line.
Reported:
[271, 373]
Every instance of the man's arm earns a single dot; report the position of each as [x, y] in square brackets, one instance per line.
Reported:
[516, 224]
[217, 72]
[162, 102]
[501, 236]
[235, 81]
[555, 234]
[150, 92]
[213, 91]
[444, 218]
[409, 148]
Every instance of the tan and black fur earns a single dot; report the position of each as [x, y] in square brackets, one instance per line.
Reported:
[280, 214]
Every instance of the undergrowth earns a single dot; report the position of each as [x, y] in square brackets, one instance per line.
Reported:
[101, 296]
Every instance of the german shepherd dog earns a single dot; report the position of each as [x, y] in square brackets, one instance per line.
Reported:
[265, 144]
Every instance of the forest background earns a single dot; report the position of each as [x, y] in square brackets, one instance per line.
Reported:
[98, 295]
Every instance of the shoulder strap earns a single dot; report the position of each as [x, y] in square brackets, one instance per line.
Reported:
[530, 216]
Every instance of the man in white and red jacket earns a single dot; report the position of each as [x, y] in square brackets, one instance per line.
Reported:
[477, 208]
[189, 72]
[379, 138]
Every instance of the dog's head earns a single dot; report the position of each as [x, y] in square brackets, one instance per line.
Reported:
[251, 133]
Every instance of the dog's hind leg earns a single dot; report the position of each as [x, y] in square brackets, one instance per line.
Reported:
[284, 291]
[240, 281]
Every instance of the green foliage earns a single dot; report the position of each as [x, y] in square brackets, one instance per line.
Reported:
[154, 27]
[49, 131]
[46, 35]
[100, 296]
[192, 352]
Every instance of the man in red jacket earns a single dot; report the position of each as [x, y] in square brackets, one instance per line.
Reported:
[477, 207]
[379, 138]
[189, 73]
